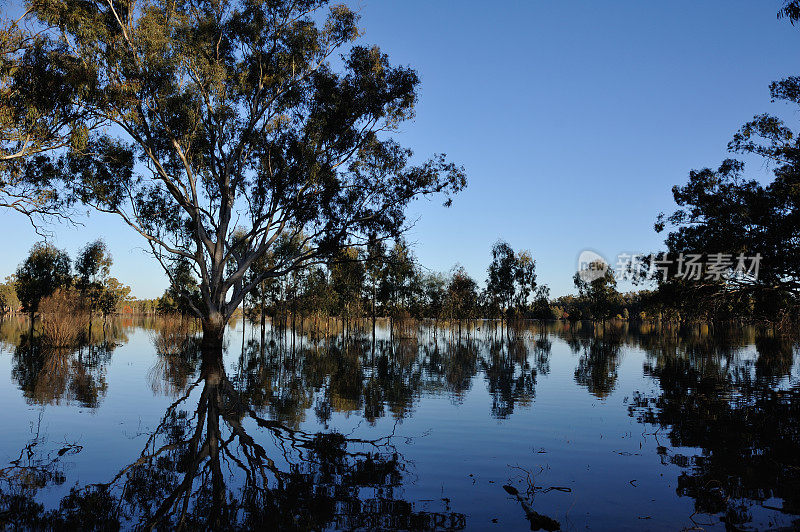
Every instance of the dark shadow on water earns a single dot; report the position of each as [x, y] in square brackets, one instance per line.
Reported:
[746, 425]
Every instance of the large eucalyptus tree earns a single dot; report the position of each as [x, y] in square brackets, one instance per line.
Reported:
[228, 125]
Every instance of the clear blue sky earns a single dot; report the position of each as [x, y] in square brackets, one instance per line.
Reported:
[573, 120]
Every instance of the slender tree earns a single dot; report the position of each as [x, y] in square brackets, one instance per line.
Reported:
[502, 273]
[9, 302]
[347, 281]
[524, 279]
[399, 273]
[434, 287]
[462, 296]
[112, 295]
[375, 270]
[92, 267]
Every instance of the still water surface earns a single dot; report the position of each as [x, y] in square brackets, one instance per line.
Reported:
[557, 427]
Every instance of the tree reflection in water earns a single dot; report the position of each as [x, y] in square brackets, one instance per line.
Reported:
[231, 450]
[224, 464]
[48, 375]
[239, 458]
[744, 416]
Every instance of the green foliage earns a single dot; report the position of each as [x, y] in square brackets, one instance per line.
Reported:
[347, 281]
[541, 309]
[92, 267]
[399, 284]
[462, 295]
[434, 289]
[40, 86]
[604, 302]
[502, 274]
[113, 294]
[511, 281]
[44, 271]
[9, 302]
[182, 296]
[246, 129]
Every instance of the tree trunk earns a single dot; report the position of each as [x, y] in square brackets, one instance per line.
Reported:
[374, 295]
[263, 325]
[213, 333]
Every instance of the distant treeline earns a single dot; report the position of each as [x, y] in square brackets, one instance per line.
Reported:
[384, 281]
[388, 281]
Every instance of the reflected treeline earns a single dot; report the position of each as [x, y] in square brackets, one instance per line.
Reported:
[47, 374]
[232, 450]
[215, 461]
[741, 408]
[385, 377]
[290, 377]
[50, 374]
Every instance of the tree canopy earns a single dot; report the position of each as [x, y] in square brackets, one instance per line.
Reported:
[265, 119]
[725, 217]
[44, 271]
[41, 87]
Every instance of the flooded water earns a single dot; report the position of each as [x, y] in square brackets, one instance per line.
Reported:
[556, 427]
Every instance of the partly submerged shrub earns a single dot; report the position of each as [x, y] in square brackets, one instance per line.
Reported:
[173, 334]
[64, 319]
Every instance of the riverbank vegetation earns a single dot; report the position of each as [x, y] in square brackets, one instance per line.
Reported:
[350, 294]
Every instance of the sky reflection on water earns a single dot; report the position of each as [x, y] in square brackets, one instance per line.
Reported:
[622, 428]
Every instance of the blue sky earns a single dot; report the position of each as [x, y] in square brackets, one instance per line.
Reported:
[573, 120]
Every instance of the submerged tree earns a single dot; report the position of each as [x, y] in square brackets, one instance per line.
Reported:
[600, 290]
[9, 302]
[44, 271]
[462, 296]
[230, 118]
[375, 269]
[398, 282]
[511, 281]
[347, 280]
[502, 274]
[92, 267]
[524, 278]
[182, 291]
[112, 295]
